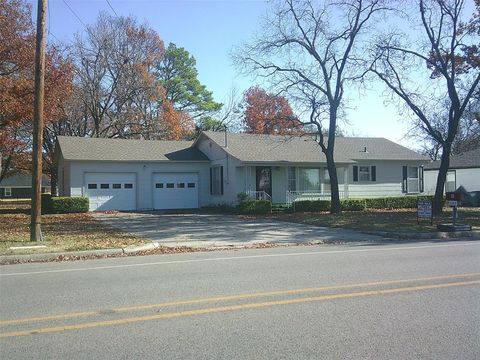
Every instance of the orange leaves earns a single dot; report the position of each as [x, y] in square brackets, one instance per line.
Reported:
[17, 51]
[178, 125]
[268, 114]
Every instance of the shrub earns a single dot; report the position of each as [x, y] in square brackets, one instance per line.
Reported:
[64, 205]
[247, 205]
[311, 205]
[262, 207]
[46, 203]
[353, 205]
[403, 202]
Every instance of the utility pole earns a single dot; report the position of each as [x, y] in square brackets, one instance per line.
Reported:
[36, 217]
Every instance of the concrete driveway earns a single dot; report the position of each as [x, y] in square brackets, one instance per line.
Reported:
[202, 230]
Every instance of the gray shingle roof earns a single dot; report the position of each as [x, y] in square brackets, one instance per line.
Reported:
[22, 180]
[274, 148]
[78, 148]
[469, 159]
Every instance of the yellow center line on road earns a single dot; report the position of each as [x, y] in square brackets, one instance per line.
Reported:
[233, 308]
[230, 297]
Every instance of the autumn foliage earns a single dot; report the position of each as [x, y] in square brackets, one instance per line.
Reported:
[17, 52]
[268, 114]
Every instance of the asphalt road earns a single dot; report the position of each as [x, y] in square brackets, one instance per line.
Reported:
[410, 301]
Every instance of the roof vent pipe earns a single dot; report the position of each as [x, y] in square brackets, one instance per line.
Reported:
[365, 149]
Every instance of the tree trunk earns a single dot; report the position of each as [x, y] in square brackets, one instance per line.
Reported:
[335, 207]
[53, 179]
[442, 175]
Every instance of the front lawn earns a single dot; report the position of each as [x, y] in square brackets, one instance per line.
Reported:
[382, 220]
[66, 232]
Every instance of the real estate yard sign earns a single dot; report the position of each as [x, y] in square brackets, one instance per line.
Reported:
[424, 210]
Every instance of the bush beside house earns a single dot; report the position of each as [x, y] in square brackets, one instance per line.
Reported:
[64, 205]
[404, 202]
[247, 205]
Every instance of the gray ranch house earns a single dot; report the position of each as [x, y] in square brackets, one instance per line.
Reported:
[150, 174]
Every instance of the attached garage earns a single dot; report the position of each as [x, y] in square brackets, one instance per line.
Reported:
[175, 191]
[111, 191]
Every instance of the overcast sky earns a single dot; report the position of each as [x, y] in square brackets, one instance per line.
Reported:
[209, 29]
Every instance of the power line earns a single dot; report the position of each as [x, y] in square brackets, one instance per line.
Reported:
[111, 7]
[74, 13]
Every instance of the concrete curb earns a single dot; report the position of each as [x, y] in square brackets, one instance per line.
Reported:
[4, 259]
[471, 235]
[134, 249]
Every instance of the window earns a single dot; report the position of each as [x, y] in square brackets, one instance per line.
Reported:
[216, 180]
[309, 179]
[326, 176]
[180, 185]
[128, 186]
[191, 185]
[364, 173]
[412, 179]
[116, 186]
[170, 185]
[292, 179]
[92, 186]
[413, 186]
[450, 182]
[8, 192]
[104, 186]
[159, 185]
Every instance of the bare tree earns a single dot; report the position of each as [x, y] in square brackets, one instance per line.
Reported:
[313, 50]
[448, 57]
[115, 66]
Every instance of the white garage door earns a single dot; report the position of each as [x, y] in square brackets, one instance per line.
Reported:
[175, 191]
[111, 191]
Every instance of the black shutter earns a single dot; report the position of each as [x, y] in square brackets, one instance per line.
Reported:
[211, 181]
[374, 173]
[355, 173]
[221, 180]
[420, 174]
[404, 181]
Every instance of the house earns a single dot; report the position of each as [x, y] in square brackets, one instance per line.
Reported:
[464, 170]
[19, 186]
[217, 166]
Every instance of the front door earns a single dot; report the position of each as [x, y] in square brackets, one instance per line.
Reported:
[264, 179]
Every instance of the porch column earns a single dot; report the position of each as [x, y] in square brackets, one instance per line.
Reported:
[345, 182]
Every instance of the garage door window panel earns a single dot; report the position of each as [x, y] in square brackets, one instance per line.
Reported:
[191, 185]
[159, 185]
[170, 185]
[109, 191]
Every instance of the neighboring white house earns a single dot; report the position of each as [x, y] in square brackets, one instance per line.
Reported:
[464, 170]
[217, 166]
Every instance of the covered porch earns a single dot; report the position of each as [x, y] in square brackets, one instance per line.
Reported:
[284, 184]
